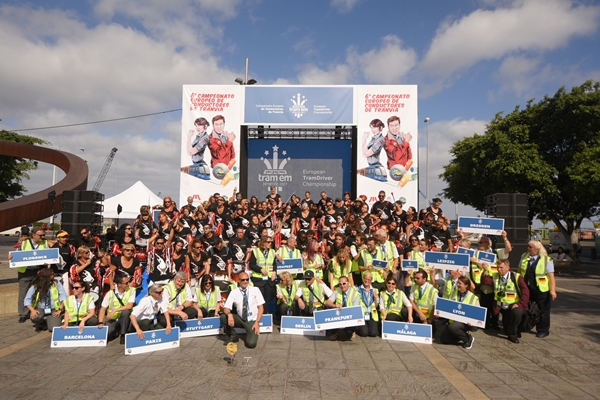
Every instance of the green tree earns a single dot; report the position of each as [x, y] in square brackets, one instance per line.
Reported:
[549, 150]
[14, 169]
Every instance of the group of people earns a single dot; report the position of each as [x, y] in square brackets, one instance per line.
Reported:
[220, 259]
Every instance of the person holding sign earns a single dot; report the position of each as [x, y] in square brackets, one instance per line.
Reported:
[118, 303]
[80, 308]
[286, 291]
[458, 331]
[365, 263]
[344, 296]
[208, 298]
[249, 304]
[422, 297]
[264, 268]
[538, 270]
[340, 265]
[45, 300]
[511, 295]
[369, 299]
[393, 303]
[311, 295]
[289, 251]
[180, 297]
[151, 313]
[388, 249]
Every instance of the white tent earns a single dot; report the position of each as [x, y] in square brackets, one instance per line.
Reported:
[131, 200]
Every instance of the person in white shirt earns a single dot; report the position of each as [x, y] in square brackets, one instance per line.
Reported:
[423, 297]
[119, 303]
[151, 313]
[312, 295]
[180, 298]
[248, 301]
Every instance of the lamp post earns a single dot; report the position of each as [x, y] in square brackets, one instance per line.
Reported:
[427, 165]
[246, 81]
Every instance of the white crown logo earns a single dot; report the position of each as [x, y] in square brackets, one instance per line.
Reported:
[298, 108]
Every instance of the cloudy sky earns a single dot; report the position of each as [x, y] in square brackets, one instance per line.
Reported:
[66, 62]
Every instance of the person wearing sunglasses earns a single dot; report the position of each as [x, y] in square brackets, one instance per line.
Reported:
[312, 295]
[344, 296]
[124, 235]
[128, 264]
[286, 291]
[116, 308]
[249, 305]
[208, 298]
[151, 313]
[393, 303]
[264, 268]
[80, 308]
[45, 301]
[84, 270]
[160, 260]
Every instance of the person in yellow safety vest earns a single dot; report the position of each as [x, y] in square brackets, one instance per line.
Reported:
[389, 250]
[450, 284]
[419, 256]
[538, 271]
[45, 300]
[312, 260]
[26, 274]
[181, 298]
[208, 298]
[286, 291]
[359, 245]
[312, 295]
[423, 297]
[458, 331]
[80, 309]
[264, 269]
[289, 251]
[365, 263]
[393, 303]
[340, 265]
[511, 296]
[369, 300]
[118, 302]
[344, 296]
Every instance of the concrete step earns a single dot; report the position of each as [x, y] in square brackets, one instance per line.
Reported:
[9, 294]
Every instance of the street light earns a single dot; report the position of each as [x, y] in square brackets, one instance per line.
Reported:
[427, 164]
[247, 81]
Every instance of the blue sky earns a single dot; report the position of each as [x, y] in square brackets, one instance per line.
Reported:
[67, 62]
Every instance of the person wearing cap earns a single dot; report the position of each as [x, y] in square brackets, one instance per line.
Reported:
[340, 207]
[67, 254]
[312, 295]
[151, 313]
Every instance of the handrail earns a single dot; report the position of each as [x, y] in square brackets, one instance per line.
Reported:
[36, 206]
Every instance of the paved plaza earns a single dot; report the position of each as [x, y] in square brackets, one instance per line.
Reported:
[565, 365]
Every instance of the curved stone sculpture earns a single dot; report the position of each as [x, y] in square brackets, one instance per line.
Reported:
[36, 206]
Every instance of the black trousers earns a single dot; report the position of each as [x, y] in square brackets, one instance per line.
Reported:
[455, 332]
[511, 320]
[370, 328]
[282, 309]
[544, 303]
[119, 326]
[148, 324]
[251, 337]
[191, 312]
[206, 313]
[266, 289]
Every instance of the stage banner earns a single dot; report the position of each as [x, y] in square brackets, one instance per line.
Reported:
[487, 226]
[410, 265]
[153, 341]
[194, 327]
[339, 318]
[210, 141]
[266, 325]
[387, 148]
[28, 258]
[299, 105]
[91, 336]
[447, 261]
[291, 265]
[300, 326]
[407, 332]
[295, 166]
[461, 312]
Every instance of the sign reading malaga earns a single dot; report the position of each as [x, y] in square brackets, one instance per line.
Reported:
[90, 336]
[461, 312]
[407, 332]
[487, 226]
[339, 318]
[448, 261]
[29, 258]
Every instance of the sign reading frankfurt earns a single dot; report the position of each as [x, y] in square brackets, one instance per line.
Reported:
[339, 318]
[461, 312]
[194, 327]
[487, 226]
[448, 261]
[28, 258]
[90, 336]
[291, 265]
[300, 326]
[407, 332]
[153, 341]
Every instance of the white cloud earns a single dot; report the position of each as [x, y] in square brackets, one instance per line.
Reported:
[344, 6]
[336, 74]
[387, 64]
[529, 25]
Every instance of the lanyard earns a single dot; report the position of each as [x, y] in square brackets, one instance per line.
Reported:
[207, 297]
[78, 305]
[370, 296]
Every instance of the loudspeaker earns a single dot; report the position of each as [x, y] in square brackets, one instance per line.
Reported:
[82, 207]
[82, 219]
